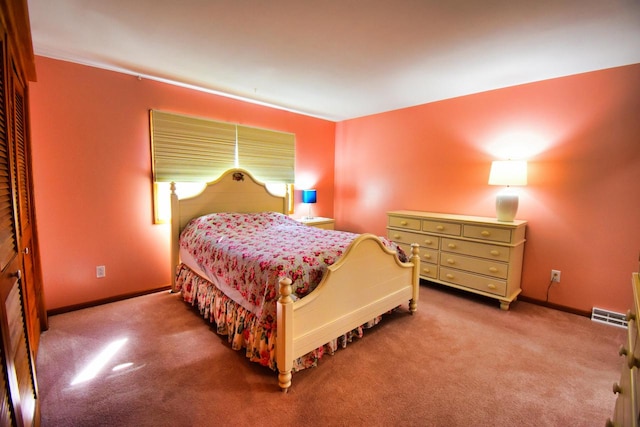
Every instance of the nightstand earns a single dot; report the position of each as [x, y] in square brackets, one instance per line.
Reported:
[318, 221]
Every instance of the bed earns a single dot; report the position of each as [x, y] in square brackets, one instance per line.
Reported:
[285, 326]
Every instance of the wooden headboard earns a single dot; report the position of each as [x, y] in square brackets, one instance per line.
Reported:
[235, 191]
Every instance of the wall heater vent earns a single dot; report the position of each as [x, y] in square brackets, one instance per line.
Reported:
[608, 317]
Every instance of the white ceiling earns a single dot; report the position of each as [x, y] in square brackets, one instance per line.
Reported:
[340, 59]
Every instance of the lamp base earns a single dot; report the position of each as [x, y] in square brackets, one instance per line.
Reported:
[506, 206]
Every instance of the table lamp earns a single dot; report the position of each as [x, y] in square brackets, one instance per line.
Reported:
[507, 173]
[309, 197]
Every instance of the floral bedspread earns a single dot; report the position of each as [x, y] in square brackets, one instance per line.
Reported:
[252, 252]
[247, 254]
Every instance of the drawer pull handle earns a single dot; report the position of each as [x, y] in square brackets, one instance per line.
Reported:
[427, 256]
[403, 223]
[440, 227]
[428, 242]
[493, 269]
[616, 388]
[426, 270]
[396, 237]
[451, 261]
[630, 315]
[485, 233]
[449, 276]
[452, 245]
[633, 362]
[491, 286]
[495, 252]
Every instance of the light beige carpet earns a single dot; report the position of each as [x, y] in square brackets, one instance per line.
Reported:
[459, 361]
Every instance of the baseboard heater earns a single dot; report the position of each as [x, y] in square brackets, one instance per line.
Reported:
[609, 317]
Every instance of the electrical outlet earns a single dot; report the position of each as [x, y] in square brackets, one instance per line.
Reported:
[555, 276]
[101, 271]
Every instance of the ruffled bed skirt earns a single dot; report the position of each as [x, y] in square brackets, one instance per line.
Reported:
[243, 328]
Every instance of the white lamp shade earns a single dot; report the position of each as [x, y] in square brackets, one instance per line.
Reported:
[508, 172]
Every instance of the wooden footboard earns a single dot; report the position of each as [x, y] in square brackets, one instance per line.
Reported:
[367, 281]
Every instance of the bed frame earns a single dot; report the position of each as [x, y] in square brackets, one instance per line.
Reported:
[367, 281]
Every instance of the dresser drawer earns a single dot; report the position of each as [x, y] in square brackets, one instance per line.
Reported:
[473, 281]
[402, 222]
[622, 413]
[428, 260]
[325, 226]
[408, 238]
[475, 265]
[492, 234]
[429, 271]
[484, 250]
[429, 255]
[441, 227]
[426, 255]
[633, 347]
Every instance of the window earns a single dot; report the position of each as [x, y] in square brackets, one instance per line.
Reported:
[187, 149]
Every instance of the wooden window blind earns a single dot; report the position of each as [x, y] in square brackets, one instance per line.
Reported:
[267, 154]
[190, 149]
[187, 149]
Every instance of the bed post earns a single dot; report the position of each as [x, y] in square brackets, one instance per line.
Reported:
[415, 277]
[175, 235]
[284, 338]
[288, 199]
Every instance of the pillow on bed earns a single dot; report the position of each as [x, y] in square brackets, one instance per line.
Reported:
[235, 219]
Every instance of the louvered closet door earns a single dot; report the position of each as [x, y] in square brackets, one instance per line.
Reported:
[25, 223]
[6, 410]
[20, 397]
[8, 248]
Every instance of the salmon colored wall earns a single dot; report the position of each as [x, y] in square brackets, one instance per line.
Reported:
[581, 136]
[92, 174]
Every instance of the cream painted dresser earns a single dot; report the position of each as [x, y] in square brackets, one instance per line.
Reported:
[475, 254]
[627, 409]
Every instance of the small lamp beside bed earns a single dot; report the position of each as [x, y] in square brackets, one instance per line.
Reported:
[309, 197]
